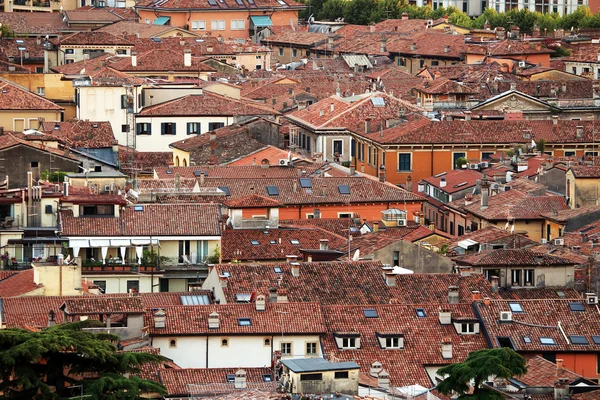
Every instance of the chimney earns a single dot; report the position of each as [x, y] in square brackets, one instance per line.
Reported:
[476, 295]
[404, 16]
[261, 303]
[375, 369]
[409, 183]
[213, 320]
[382, 173]
[413, 46]
[240, 379]
[485, 186]
[445, 317]
[202, 178]
[555, 120]
[579, 131]
[295, 186]
[51, 318]
[352, 170]
[331, 107]
[564, 87]
[453, 296]
[65, 188]
[382, 45]
[495, 281]
[486, 301]
[213, 136]
[367, 125]
[273, 295]
[467, 115]
[443, 182]
[134, 59]
[295, 269]
[375, 226]
[330, 42]
[324, 244]
[383, 379]
[187, 58]
[447, 348]
[291, 258]
[446, 49]
[390, 280]
[317, 213]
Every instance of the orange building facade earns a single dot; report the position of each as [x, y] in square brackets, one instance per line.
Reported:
[584, 364]
[368, 211]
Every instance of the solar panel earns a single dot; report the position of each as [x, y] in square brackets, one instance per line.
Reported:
[273, 190]
[244, 321]
[378, 101]
[576, 306]
[370, 313]
[226, 190]
[515, 307]
[548, 341]
[575, 339]
[195, 300]
[343, 189]
[305, 183]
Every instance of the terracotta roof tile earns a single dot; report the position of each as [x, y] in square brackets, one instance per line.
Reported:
[252, 201]
[271, 153]
[209, 380]
[538, 293]
[91, 15]
[78, 133]
[544, 373]
[507, 48]
[494, 235]
[511, 257]
[152, 219]
[13, 97]
[18, 284]
[456, 180]
[229, 5]
[583, 171]
[296, 38]
[228, 172]
[85, 305]
[339, 226]
[566, 215]
[515, 204]
[94, 38]
[193, 320]
[129, 28]
[23, 23]
[539, 319]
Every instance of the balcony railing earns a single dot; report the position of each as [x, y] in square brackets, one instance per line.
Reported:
[130, 268]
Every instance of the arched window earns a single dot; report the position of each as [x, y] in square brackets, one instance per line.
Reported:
[185, 162]
[177, 161]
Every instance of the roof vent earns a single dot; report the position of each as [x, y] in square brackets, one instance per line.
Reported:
[213, 320]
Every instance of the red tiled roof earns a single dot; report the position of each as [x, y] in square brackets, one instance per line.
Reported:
[445, 86]
[100, 304]
[230, 172]
[252, 201]
[129, 28]
[493, 234]
[206, 104]
[228, 5]
[532, 293]
[544, 373]
[8, 140]
[213, 380]
[422, 339]
[273, 244]
[515, 204]
[565, 215]
[32, 310]
[94, 38]
[507, 48]
[159, 61]
[32, 23]
[429, 43]
[296, 38]
[583, 171]
[339, 226]
[456, 180]
[511, 257]
[91, 15]
[193, 320]
[540, 318]
[154, 219]
[15, 284]
[13, 97]
[78, 133]
[271, 153]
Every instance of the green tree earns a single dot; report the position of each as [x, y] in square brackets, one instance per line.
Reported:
[385, 9]
[41, 365]
[574, 19]
[476, 369]
[359, 11]
[540, 145]
[460, 161]
[332, 9]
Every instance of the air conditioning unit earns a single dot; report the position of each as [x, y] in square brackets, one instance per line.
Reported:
[473, 166]
[107, 188]
[505, 316]
[484, 164]
[284, 161]
[544, 241]
[401, 222]
[592, 300]
[559, 242]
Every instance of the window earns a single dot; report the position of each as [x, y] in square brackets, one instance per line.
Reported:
[569, 154]
[467, 327]
[147, 20]
[348, 343]
[173, 343]
[343, 189]
[97, 210]
[193, 128]
[218, 24]
[281, 52]
[515, 307]
[101, 285]
[341, 375]
[338, 147]
[238, 24]
[435, 63]
[198, 25]
[167, 128]
[455, 157]
[267, 342]
[421, 313]
[286, 349]
[41, 91]
[70, 61]
[69, 51]
[344, 215]
[581, 340]
[311, 349]
[528, 275]
[311, 377]
[370, 313]
[392, 342]
[404, 162]
[307, 53]
[230, 378]
[143, 128]
[273, 190]
[295, 242]
[215, 125]
[133, 286]
[396, 258]
[35, 164]
[516, 277]
[576, 306]
[224, 342]
[547, 341]
[596, 339]
[526, 339]
[486, 155]
[294, 53]
[305, 183]
[244, 322]
[591, 154]
[401, 62]
[421, 63]
[254, 242]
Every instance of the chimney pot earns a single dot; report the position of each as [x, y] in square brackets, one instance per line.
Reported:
[324, 244]
[453, 295]
[447, 348]
[295, 269]
[134, 59]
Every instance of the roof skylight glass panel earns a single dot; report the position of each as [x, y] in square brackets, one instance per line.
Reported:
[576, 339]
[157, 39]
[378, 101]
[277, 270]
[305, 183]
[548, 341]
[273, 241]
[596, 339]
[138, 208]
[515, 307]
[576, 306]
[226, 190]
[250, 2]
[226, 274]
[273, 190]
[421, 313]
[560, 293]
[243, 297]
[255, 242]
[294, 241]
[370, 313]
[267, 378]
[20, 41]
[244, 322]
[240, 2]
[343, 189]
[526, 339]
[212, 2]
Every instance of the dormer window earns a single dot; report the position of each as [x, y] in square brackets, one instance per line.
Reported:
[390, 340]
[103, 210]
[467, 328]
[347, 340]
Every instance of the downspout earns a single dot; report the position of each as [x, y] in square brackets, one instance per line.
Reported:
[206, 351]
[431, 172]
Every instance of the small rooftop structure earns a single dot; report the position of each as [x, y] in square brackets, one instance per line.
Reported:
[317, 364]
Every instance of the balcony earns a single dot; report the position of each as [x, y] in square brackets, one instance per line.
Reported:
[30, 5]
[89, 266]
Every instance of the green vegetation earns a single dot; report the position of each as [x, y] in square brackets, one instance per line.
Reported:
[42, 365]
[477, 369]
[56, 176]
[215, 258]
[460, 162]
[372, 11]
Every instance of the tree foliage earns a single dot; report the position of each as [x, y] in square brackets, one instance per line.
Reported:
[41, 365]
[478, 368]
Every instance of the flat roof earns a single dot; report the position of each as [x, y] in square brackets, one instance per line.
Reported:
[317, 365]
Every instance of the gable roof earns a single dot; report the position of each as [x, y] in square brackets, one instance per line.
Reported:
[14, 97]
[94, 38]
[18, 284]
[32, 23]
[252, 201]
[544, 373]
[80, 133]
[102, 305]
[515, 257]
[210, 380]
[173, 5]
[585, 171]
[456, 180]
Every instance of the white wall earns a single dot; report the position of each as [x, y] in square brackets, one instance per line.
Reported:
[118, 283]
[158, 142]
[190, 351]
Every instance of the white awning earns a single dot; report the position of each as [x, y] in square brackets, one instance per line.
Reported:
[120, 242]
[99, 243]
[79, 243]
[465, 244]
[143, 242]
